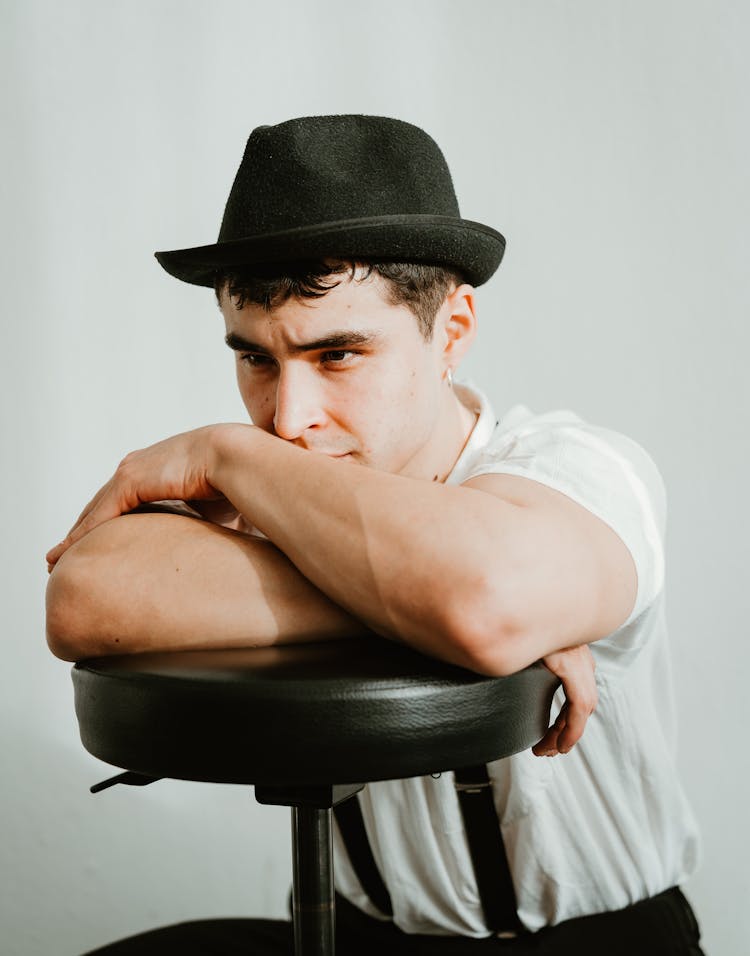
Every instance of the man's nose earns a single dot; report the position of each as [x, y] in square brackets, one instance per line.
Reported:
[298, 403]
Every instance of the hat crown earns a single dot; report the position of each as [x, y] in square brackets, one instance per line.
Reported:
[318, 169]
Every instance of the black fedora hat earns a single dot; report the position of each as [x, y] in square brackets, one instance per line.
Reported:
[347, 186]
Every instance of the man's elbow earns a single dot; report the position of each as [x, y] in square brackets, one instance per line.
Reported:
[69, 612]
[488, 654]
[490, 641]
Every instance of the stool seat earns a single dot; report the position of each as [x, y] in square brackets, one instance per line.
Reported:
[333, 712]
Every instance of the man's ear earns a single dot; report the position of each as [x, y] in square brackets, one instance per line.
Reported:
[457, 325]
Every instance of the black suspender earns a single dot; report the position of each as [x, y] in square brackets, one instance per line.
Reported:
[484, 839]
[487, 850]
[352, 828]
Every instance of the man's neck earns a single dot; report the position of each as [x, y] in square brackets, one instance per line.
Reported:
[458, 424]
[466, 423]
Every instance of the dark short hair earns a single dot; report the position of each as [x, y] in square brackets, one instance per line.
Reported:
[422, 287]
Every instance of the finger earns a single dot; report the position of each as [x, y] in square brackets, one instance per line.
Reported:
[548, 746]
[94, 503]
[576, 668]
[578, 715]
[93, 519]
[54, 554]
[581, 702]
[573, 732]
[95, 514]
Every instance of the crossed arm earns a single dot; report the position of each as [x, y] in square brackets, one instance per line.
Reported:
[492, 575]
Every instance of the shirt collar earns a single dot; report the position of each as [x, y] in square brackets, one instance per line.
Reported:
[477, 402]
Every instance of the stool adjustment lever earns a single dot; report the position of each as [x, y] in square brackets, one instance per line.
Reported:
[129, 777]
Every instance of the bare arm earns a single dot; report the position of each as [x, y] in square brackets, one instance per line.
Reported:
[162, 582]
[155, 582]
[490, 577]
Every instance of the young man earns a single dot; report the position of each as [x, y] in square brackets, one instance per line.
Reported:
[373, 493]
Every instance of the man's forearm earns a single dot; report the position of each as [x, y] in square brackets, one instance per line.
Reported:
[416, 560]
[162, 582]
[491, 575]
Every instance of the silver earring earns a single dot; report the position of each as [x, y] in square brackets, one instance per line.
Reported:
[449, 377]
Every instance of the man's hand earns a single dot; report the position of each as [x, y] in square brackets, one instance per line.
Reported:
[176, 468]
[575, 667]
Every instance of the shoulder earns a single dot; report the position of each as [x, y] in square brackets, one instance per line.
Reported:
[597, 466]
[580, 476]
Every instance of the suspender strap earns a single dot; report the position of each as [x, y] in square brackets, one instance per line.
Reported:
[487, 850]
[352, 828]
[484, 839]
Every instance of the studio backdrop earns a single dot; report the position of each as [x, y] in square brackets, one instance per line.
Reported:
[607, 140]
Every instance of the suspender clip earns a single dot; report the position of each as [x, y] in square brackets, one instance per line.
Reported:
[475, 787]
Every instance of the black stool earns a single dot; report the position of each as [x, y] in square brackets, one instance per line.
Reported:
[309, 725]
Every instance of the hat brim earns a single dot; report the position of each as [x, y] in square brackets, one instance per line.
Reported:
[474, 249]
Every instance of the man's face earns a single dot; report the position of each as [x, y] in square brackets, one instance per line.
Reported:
[347, 374]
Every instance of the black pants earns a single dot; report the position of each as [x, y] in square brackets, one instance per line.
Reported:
[662, 926]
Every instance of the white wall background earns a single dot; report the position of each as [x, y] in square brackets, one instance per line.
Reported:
[607, 139]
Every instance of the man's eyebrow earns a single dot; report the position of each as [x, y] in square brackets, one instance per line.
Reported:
[344, 339]
[240, 344]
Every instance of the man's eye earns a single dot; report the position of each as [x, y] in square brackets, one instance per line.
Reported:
[255, 359]
[336, 356]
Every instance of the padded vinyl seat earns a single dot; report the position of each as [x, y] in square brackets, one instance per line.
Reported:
[307, 714]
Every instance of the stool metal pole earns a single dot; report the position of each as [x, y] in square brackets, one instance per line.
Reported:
[313, 902]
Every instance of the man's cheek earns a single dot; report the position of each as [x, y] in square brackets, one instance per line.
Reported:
[260, 408]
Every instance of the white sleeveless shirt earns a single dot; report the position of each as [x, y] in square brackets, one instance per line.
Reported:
[585, 832]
